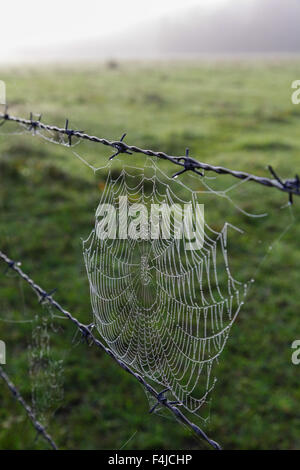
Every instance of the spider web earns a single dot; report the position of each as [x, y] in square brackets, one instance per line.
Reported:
[165, 311]
[45, 371]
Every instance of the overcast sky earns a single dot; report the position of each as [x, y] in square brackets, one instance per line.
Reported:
[25, 24]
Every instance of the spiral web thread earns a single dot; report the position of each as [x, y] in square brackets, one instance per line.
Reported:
[159, 307]
[151, 339]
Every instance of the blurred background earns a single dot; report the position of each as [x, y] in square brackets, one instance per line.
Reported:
[140, 30]
[214, 75]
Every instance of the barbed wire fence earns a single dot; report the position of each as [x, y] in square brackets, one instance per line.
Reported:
[36, 424]
[291, 186]
[87, 334]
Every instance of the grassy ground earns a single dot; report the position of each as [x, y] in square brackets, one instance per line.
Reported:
[234, 114]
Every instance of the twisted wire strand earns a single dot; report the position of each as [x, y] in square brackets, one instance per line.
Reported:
[37, 425]
[290, 186]
[85, 330]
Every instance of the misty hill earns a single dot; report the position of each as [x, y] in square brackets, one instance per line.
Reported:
[241, 26]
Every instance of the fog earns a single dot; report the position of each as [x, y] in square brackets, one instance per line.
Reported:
[235, 27]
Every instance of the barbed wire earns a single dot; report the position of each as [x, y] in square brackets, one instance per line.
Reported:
[37, 425]
[86, 331]
[290, 186]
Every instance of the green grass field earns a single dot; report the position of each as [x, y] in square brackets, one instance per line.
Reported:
[236, 114]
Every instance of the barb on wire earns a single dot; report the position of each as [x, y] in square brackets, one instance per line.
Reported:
[86, 330]
[189, 164]
[85, 335]
[290, 186]
[162, 397]
[37, 425]
[45, 295]
[70, 132]
[10, 265]
[34, 124]
[120, 146]
[290, 183]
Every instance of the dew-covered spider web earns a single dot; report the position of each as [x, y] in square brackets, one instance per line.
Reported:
[166, 311]
[46, 372]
